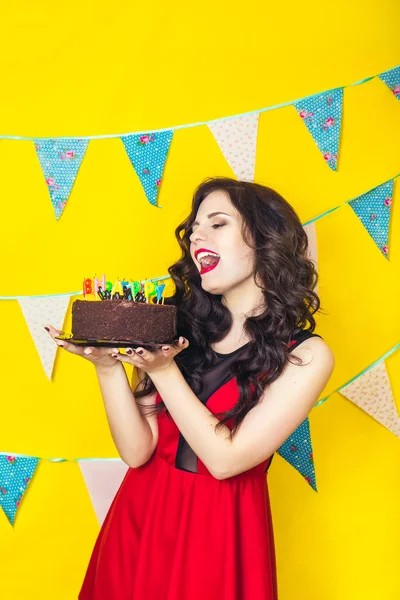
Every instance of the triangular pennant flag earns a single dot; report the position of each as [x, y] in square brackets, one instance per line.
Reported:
[148, 154]
[373, 393]
[297, 451]
[60, 161]
[392, 80]
[15, 475]
[373, 210]
[322, 116]
[37, 312]
[102, 478]
[237, 139]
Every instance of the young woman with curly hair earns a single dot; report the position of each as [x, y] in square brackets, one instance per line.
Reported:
[200, 425]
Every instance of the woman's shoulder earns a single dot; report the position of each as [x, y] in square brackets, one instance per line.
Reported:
[300, 335]
[318, 351]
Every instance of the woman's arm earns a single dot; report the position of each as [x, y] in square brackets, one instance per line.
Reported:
[134, 435]
[282, 408]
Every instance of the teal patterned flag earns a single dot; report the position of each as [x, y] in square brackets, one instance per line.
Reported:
[60, 161]
[15, 475]
[322, 115]
[148, 154]
[297, 451]
[392, 80]
[373, 209]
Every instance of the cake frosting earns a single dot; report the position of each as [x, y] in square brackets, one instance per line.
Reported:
[123, 320]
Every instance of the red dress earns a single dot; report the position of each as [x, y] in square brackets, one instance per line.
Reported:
[174, 532]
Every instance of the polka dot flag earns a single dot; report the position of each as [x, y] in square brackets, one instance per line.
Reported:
[15, 475]
[297, 451]
[392, 80]
[373, 210]
[60, 161]
[148, 154]
[322, 115]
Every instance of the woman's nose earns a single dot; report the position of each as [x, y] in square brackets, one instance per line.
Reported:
[197, 235]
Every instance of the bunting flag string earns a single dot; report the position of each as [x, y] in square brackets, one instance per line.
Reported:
[381, 217]
[61, 157]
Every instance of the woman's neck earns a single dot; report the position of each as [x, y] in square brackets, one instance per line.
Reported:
[242, 303]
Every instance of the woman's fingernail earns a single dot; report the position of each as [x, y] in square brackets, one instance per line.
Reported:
[139, 351]
[47, 329]
[61, 345]
[87, 351]
[114, 355]
[166, 348]
[128, 351]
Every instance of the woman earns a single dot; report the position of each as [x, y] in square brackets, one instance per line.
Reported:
[191, 520]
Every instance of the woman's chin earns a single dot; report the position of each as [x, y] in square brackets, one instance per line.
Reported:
[211, 288]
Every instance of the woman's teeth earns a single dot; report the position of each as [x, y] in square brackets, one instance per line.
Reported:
[208, 261]
[208, 257]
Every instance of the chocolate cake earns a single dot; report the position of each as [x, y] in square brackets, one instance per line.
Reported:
[123, 320]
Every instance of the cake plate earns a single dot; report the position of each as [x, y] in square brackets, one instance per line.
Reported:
[113, 343]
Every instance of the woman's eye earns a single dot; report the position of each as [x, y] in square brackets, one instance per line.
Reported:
[216, 225]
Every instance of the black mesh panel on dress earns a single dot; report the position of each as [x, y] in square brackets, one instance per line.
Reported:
[213, 379]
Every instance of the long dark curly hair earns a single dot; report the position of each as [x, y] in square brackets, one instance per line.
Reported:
[288, 277]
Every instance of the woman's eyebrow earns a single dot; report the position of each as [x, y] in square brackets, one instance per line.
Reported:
[213, 214]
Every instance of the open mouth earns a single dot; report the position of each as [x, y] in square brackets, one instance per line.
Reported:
[207, 259]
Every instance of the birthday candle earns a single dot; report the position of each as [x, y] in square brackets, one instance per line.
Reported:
[108, 289]
[159, 292]
[135, 287]
[149, 290]
[117, 288]
[87, 287]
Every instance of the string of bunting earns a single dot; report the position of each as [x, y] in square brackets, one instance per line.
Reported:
[60, 157]
[372, 208]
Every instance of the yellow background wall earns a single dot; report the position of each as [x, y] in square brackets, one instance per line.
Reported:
[94, 68]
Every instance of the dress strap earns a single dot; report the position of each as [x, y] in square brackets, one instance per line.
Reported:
[300, 336]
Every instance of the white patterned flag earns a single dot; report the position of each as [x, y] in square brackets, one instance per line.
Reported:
[237, 139]
[102, 479]
[39, 310]
[372, 392]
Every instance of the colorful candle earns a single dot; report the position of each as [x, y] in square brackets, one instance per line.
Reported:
[149, 290]
[159, 292]
[117, 288]
[87, 287]
[135, 288]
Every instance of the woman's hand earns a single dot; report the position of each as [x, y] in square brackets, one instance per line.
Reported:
[100, 357]
[154, 361]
